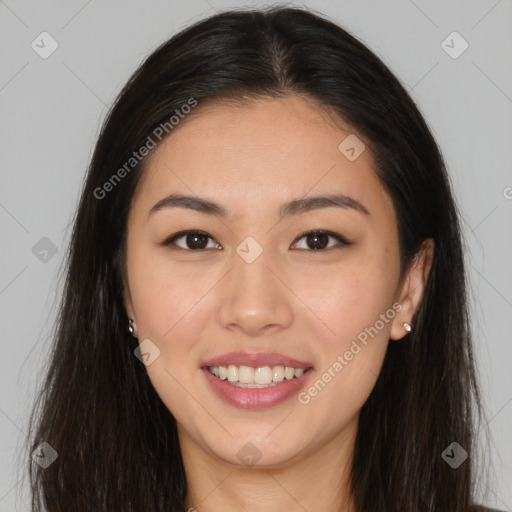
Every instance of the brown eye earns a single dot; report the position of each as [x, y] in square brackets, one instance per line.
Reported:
[193, 240]
[196, 241]
[319, 240]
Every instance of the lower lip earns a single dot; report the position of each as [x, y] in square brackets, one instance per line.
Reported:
[255, 398]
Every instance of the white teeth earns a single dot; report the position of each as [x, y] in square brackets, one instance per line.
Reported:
[249, 377]
[263, 375]
[232, 373]
[289, 373]
[246, 375]
[278, 373]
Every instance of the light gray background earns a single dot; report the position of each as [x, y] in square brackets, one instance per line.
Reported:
[51, 112]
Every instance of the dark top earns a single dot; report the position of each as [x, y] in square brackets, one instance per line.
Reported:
[481, 508]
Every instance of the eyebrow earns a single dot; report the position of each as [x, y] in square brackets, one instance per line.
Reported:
[294, 207]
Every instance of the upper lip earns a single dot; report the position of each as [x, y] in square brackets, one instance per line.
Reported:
[256, 360]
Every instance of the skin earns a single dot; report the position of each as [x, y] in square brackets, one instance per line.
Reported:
[303, 303]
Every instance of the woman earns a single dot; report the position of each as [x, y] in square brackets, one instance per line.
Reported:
[265, 302]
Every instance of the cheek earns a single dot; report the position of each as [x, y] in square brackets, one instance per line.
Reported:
[170, 312]
[164, 293]
[356, 305]
[349, 298]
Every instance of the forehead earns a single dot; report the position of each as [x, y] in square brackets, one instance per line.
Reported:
[260, 152]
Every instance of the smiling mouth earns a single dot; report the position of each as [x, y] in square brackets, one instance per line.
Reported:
[261, 377]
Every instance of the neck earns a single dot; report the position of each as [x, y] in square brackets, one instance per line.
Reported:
[317, 480]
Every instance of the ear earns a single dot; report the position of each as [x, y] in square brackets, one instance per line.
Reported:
[128, 303]
[411, 291]
[130, 312]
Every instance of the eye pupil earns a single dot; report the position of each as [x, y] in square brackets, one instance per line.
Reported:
[315, 237]
[192, 239]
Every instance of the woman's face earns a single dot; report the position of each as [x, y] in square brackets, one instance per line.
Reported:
[255, 283]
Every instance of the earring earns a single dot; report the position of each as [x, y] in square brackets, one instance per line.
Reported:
[407, 327]
[131, 328]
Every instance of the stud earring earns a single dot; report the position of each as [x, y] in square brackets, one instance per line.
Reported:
[407, 327]
[131, 327]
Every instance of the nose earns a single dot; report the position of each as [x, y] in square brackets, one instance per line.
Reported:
[255, 299]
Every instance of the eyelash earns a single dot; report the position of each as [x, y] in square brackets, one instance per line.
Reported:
[340, 238]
